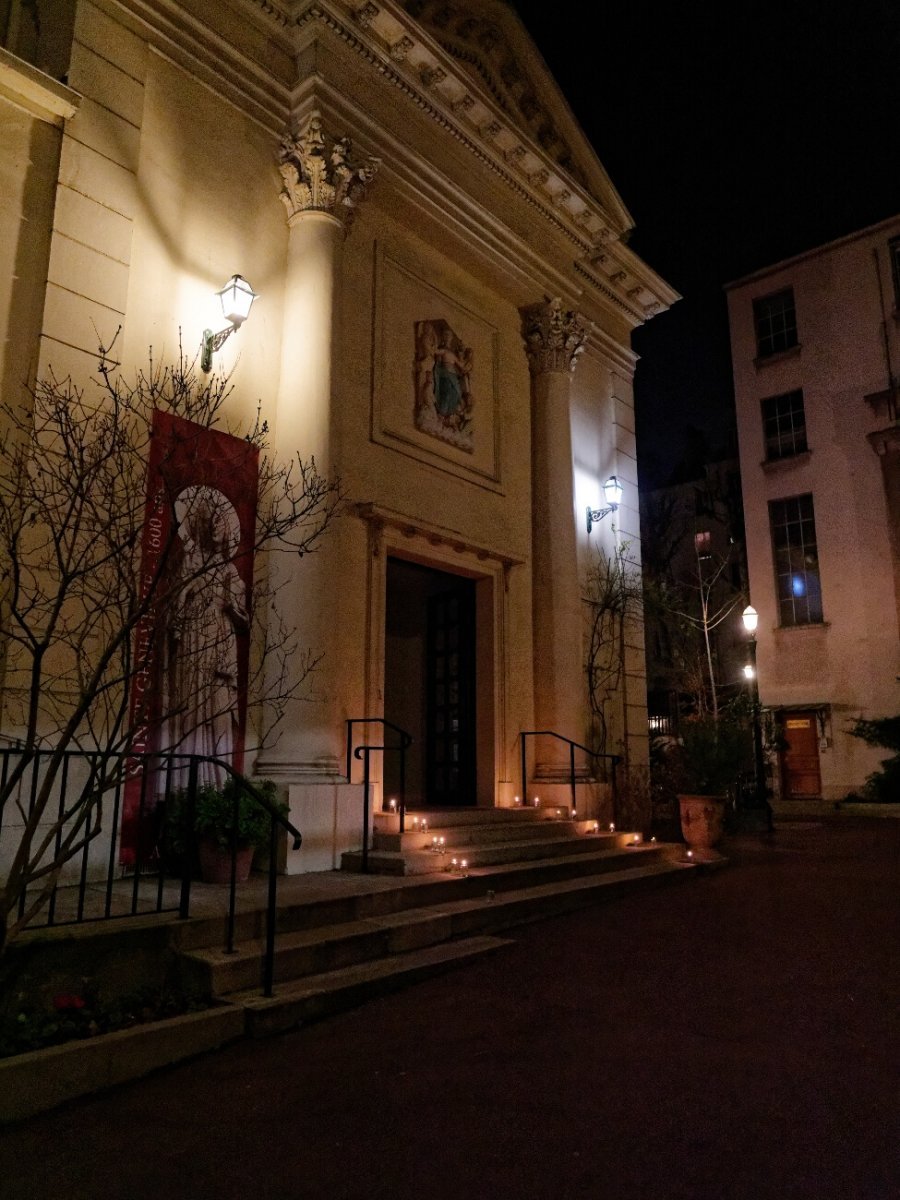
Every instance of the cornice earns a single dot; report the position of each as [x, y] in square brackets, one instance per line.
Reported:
[409, 59]
[475, 126]
[34, 92]
[183, 37]
[436, 535]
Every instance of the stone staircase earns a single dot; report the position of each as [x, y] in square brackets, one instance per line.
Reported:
[480, 837]
[334, 952]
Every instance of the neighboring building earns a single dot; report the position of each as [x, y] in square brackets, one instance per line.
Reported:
[432, 354]
[692, 538]
[816, 351]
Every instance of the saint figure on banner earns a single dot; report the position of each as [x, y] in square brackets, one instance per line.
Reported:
[209, 609]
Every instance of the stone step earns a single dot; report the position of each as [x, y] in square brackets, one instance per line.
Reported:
[467, 928]
[304, 912]
[473, 904]
[440, 818]
[424, 862]
[478, 834]
[309, 1000]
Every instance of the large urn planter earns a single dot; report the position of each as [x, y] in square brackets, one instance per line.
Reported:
[702, 821]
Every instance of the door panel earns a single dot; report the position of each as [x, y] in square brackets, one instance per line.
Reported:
[450, 688]
[800, 776]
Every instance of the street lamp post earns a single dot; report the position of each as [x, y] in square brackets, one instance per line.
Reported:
[751, 620]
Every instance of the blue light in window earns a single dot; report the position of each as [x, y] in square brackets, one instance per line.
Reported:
[798, 585]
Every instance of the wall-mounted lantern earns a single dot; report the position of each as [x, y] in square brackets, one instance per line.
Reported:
[612, 490]
[236, 298]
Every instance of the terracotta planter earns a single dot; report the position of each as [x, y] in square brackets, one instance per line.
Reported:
[215, 863]
[702, 818]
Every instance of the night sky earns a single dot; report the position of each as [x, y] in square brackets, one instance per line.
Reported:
[738, 133]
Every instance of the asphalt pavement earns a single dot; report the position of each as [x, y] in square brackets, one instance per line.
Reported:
[732, 1037]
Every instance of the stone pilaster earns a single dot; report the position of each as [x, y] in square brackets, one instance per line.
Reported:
[554, 338]
[320, 190]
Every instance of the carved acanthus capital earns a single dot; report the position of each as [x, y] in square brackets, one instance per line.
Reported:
[316, 180]
[554, 336]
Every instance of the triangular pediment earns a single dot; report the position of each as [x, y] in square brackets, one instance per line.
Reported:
[488, 40]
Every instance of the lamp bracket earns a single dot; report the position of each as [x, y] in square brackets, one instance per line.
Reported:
[594, 515]
[210, 343]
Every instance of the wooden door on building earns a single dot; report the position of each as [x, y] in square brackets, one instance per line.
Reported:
[450, 693]
[800, 776]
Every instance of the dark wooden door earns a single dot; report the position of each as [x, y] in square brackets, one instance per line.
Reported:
[450, 686]
[800, 776]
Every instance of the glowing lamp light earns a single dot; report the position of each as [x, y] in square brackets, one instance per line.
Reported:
[750, 617]
[236, 298]
[748, 671]
[612, 490]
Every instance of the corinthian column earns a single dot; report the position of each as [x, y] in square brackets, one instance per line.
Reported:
[320, 190]
[554, 338]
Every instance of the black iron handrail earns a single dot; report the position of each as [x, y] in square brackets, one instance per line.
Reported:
[614, 759]
[275, 819]
[363, 753]
[79, 822]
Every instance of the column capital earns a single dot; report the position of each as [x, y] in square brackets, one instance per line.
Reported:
[317, 180]
[554, 336]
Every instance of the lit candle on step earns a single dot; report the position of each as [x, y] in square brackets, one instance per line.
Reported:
[434, 843]
[393, 804]
[453, 863]
[612, 827]
[596, 827]
[574, 813]
[442, 842]
[517, 800]
[690, 854]
[537, 801]
[424, 824]
[464, 865]
[653, 839]
[637, 839]
[415, 822]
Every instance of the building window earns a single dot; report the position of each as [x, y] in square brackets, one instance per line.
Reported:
[703, 543]
[796, 558]
[784, 424]
[776, 323]
[894, 252]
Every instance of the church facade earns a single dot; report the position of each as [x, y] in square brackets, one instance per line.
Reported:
[445, 297]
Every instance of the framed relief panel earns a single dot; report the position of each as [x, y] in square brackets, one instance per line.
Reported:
[435, 373]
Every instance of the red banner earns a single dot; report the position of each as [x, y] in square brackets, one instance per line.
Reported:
[191, 650]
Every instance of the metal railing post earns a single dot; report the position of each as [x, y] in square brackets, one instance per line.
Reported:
[574, 805]
[402, 784]
[190, 840]
[271, 910]
[232, 897]
[365, 830]
[522, 738]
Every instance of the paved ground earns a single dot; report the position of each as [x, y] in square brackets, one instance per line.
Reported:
[734, 1037]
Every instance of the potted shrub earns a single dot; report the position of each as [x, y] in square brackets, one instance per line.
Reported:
[709, 757]
[214, 812]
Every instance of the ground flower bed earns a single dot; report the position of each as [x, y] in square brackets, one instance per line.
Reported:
[81, 1015]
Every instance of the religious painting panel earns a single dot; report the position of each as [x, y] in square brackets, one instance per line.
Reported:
[191, 652]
